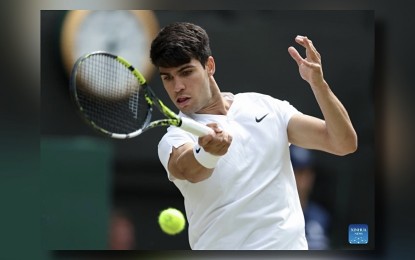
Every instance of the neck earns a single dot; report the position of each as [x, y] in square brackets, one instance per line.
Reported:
[217, 105]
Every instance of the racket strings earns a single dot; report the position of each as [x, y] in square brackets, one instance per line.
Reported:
[110, 95]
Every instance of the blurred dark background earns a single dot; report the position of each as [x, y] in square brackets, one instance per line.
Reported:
[250, 51]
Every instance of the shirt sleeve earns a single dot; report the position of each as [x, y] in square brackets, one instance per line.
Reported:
[285, 110]
[175, 137]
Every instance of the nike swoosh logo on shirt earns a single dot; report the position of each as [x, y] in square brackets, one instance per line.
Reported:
[260, 119]
[198, 150]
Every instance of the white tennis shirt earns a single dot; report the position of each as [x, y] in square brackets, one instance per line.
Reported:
[251, 199]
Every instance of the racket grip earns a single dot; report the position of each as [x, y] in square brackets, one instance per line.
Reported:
[194, 127]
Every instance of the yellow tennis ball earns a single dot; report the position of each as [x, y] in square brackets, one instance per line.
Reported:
[171, 221]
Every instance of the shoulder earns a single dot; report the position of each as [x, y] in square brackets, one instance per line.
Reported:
[260, 98]
[252, 95]
[282, 109]
[175, 137]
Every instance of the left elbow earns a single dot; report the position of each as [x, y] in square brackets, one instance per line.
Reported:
[348, 150]
[348, 146]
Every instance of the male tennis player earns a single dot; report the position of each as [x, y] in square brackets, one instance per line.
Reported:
[238, 184]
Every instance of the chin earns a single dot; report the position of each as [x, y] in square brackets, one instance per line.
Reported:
[188, 110]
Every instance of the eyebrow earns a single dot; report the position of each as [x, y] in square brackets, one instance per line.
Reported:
[181, 69]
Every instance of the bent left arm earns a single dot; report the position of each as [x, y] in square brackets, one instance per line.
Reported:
[335, 134]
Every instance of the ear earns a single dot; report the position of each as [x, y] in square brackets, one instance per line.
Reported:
[210, 66]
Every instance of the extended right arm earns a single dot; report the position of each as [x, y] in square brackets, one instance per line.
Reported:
[183, 164]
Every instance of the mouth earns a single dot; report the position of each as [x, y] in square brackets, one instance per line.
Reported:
[182, 101]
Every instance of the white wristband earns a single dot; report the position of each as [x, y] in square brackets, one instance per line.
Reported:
[206, 159]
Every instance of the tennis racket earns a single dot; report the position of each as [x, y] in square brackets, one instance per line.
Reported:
[113, 97]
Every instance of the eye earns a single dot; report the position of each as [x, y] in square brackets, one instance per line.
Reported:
[166, 78]
[186, 73]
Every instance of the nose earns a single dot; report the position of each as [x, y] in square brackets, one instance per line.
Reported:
[178, 85]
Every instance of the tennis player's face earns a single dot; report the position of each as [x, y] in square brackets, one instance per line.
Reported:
[188, 85]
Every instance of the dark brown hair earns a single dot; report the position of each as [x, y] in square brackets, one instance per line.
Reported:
[177, 43]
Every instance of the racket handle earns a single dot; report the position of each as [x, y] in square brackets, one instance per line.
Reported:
[194, 127]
